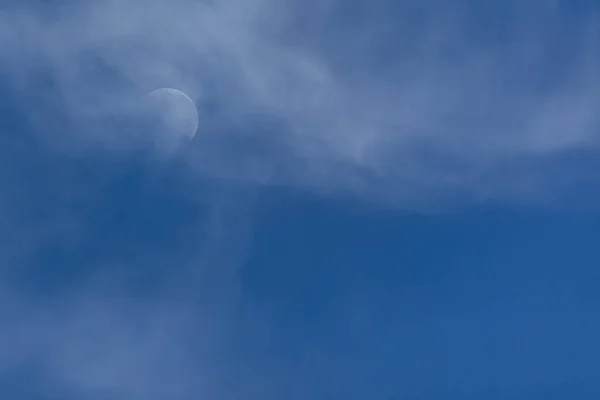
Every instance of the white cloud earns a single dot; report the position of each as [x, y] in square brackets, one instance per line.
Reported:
[345, 96]
[365, 102]
[157, 325]
[98, 347]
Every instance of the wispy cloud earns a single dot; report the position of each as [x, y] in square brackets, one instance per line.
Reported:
[404, 103]
[100, 346]
[345, 97]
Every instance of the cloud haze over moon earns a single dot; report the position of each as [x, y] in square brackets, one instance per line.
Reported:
[433, 100]
[175, 110]
[120, 270]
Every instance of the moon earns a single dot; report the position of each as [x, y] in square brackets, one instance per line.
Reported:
[175, 112]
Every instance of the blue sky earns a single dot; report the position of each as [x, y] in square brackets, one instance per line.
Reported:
[384, 200]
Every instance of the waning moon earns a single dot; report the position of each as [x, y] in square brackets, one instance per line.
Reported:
[175, 111]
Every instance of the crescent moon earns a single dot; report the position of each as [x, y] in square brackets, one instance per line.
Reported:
[175, 110]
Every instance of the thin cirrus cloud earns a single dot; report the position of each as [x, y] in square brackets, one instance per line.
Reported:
[398, 102]
[388, 101]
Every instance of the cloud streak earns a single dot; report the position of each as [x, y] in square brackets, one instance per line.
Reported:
[338, 97]
[402, 103]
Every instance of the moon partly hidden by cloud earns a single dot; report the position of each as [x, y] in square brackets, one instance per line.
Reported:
[175, 112]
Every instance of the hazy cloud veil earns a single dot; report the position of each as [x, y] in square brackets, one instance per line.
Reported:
[358, 98]
[400, 102]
